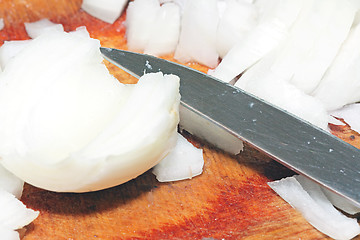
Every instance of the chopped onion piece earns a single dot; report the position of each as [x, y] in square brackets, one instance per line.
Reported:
[10, 49]
[71, 126]
[198, 33]
[105, 10]
[152, 28]
[351, 115]
[35, 29]
[307, 198]
[341, 83]
[10, 183]
[259, 41]
[184, 162]
[340, 202]
[237, 19]
[14, 214]
[313, 43]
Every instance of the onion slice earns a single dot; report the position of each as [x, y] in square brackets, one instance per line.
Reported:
[184, 162]
[307, 198]
[35, 29]
[105, 10]
[197, 40]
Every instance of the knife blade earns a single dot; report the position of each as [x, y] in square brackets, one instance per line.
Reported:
[226, 116]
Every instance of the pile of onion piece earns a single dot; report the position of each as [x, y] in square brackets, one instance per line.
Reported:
[302, 55]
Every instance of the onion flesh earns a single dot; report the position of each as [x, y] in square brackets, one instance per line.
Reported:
[35, 29]
[308, 198]
[14, 214]
[152, 28]
[237, 19]
[197, 40]
[341, 83]
[10, 49]
[184, 162]
[73, 127]
[106, 10]
[260, 40]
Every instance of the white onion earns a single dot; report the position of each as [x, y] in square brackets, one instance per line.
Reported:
[105, 10]
[260, 40]
[152, 28]
[71, 126]
[351, 115]
[307, 198]
[237, 19]
[184, 162]
[9, 234]
[14, 214]
[340, 202]
[314, 41]
[10, 49]
[35, 29]
[341, 83]
[198, 33]
[10, 183]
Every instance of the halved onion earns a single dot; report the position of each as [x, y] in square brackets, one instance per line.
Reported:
[10, 49]
[71, 126]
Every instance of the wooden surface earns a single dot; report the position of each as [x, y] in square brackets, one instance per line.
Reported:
[230, 200]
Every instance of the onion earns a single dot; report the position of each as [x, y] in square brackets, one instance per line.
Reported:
[152, 28]
[198, 33]
[313, 43]
[105, 10]
[9, 234]
[351, 114]
[341, 83]
[10, 183]
[184, 162]
[35, 29]
[307, 198]
[14, 214]
[260, 40]
[237, 19]
[10, 49]
[71, 126]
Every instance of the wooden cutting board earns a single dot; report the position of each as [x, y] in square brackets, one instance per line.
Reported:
[230, 200]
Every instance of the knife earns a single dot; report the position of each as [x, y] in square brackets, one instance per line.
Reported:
[226, 116]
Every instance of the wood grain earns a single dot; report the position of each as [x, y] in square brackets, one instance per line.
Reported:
[230, 200]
